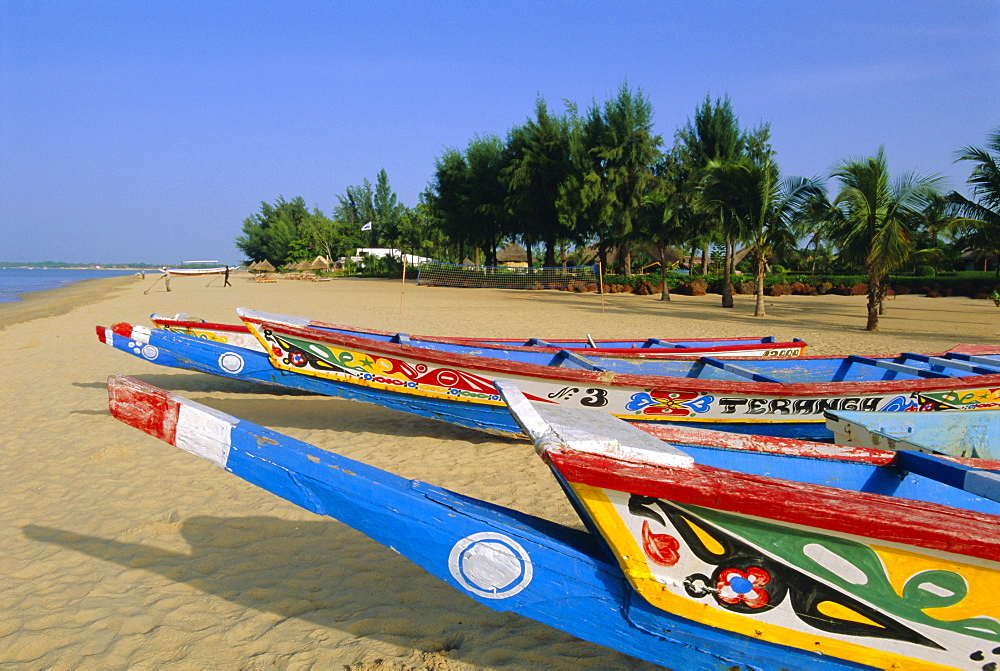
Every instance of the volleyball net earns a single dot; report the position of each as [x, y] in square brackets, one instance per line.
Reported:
[574, 278]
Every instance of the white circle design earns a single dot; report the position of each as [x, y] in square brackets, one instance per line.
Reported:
[231, 362]
[490, 565]
[150, 352]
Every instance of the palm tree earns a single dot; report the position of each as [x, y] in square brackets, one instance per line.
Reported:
[813, 220]
[667, 215]
[714, 135]
[980, 218]
[936, 217]
[762, 205]
[873, 228]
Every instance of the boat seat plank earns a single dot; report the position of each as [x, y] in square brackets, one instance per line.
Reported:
[952, 363]
[736, 370]
[537, 342]
[893, 366]
[971, 358]
[650, 342]
[401, 338]
[973, 480]
[565, 355]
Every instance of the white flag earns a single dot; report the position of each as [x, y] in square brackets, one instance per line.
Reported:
[367, 227]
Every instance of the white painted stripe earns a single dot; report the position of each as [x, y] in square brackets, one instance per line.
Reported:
[553, 427]
[140, 333]
[205, 432]
[109, 337]
[272, 317]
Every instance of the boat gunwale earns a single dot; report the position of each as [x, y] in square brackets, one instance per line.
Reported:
[612, 352]
[886, 518]
[610, 378]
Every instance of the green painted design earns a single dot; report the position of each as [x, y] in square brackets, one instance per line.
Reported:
[865, 577]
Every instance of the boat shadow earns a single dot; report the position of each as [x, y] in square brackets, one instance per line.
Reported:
[332, 576]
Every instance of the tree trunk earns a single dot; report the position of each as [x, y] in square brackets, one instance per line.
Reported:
[761, 272]
[704, 260]
[626, 251]
[527, 249]
[664, 291]
[815, 252]
[550, 251]
[727, 286]
[874, 291]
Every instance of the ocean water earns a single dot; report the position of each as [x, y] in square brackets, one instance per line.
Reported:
[15, 281]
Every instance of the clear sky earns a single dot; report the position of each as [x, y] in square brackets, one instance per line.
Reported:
[147, 131]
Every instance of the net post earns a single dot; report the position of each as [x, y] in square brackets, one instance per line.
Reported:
[402, 285]
[600, 284]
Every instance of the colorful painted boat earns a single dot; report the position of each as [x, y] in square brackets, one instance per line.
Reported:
[777, 397]
[765, 347]
[960, 434]
[721, 559]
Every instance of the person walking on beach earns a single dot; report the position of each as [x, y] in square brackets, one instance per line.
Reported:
[226, 283]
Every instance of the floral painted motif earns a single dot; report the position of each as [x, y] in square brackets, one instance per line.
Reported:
[662, 549]
[746, 587]
[663, 402]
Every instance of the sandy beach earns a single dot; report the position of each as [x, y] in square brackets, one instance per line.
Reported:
[120, 551]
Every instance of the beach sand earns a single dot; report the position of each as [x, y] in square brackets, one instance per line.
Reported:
[120, 551]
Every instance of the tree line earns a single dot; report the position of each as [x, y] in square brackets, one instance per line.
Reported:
[574, 187]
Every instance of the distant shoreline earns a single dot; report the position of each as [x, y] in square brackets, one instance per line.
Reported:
[61, 299]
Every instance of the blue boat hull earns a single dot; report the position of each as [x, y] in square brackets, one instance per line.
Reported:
[173, 350]
[506, 560]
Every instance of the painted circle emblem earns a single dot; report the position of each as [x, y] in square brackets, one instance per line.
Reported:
[231, 362]
[150, 352]
[490, 565]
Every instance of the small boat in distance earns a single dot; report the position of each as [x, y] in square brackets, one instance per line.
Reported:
[764, 347]
[722, 559]
[195, 269]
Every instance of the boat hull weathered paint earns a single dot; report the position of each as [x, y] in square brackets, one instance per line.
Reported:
[793, 410]
[174, 350]
[886, 568]
[504, 559]
[237, 335]
[766, 347]
[958, 433]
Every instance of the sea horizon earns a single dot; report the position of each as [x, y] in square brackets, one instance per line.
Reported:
[17, 281]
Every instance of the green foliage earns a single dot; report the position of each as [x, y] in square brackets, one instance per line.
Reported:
[926, 271]
[278, 232]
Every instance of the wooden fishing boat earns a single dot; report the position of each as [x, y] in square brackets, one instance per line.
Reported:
[720, 559]
[194, 272]
[765, 347]
[960, 434]
[237, 335]
[777, 397]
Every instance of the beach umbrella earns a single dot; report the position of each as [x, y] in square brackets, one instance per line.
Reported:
[266, 266]
[319, 263]
[252, 266]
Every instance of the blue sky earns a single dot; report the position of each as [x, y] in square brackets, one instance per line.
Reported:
[147, 131]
